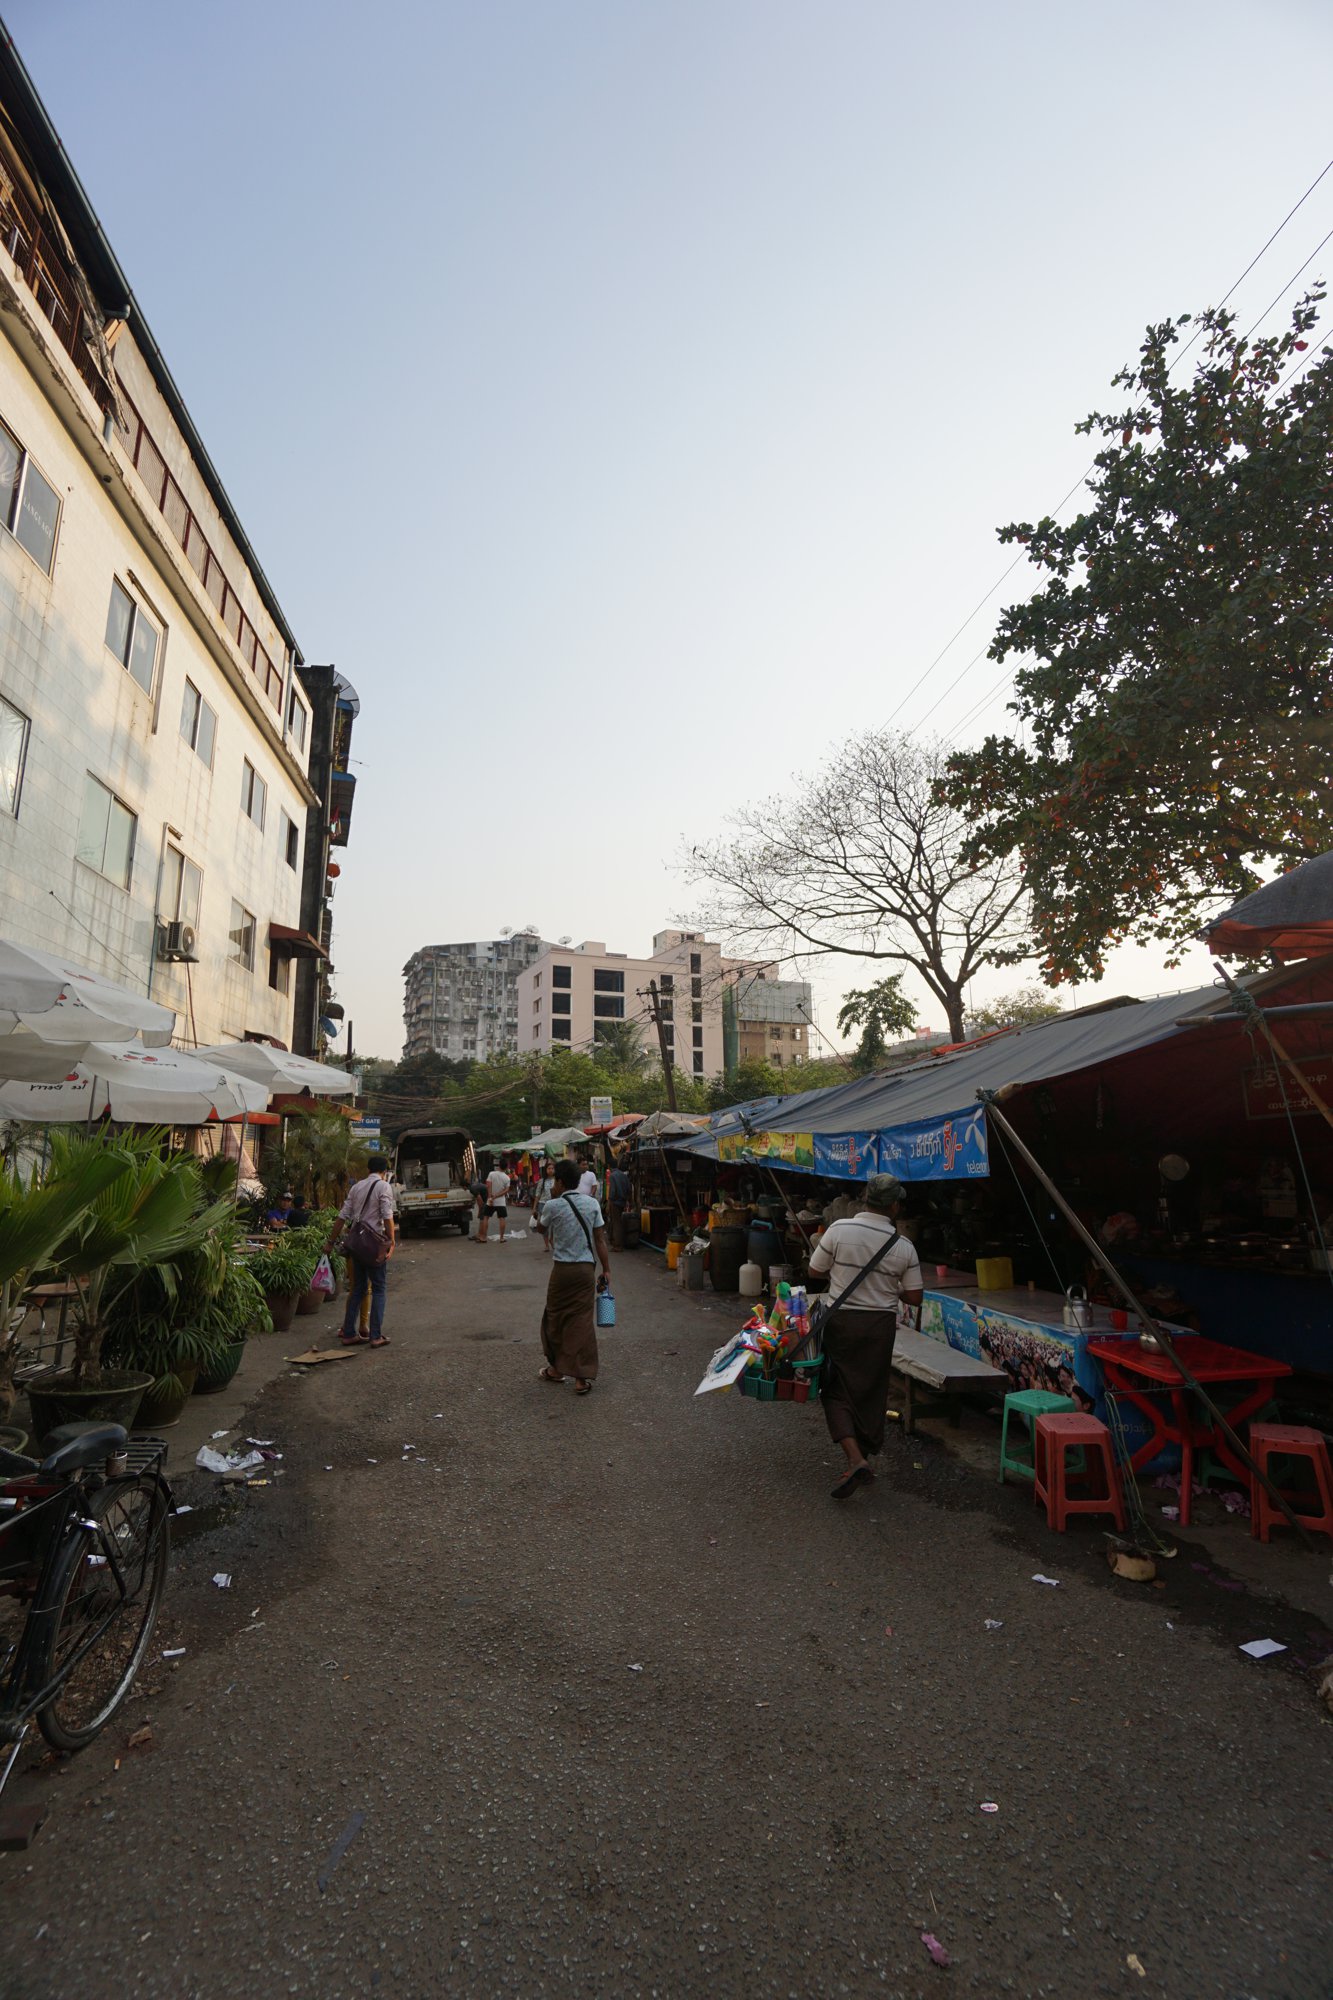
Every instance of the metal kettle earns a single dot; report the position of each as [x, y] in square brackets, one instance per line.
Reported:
[1077, 1308]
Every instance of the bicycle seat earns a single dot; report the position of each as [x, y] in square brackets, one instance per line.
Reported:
[70, 1447]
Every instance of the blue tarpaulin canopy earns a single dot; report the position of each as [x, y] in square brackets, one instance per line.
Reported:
[924, 1122]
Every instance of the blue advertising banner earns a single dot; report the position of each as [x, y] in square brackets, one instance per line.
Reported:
[851, 1156]
[938, 1149]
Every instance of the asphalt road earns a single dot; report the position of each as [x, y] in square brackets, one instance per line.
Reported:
[629, 1706]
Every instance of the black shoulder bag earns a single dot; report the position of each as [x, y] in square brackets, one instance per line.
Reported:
[821, 1312]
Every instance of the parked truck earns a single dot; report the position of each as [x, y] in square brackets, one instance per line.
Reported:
[433, 1166]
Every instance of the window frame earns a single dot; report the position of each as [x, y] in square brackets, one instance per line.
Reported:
[296, 707]
[155, 626]
[253, 786]
[562, 976]
[201, 708]
[11, 810]
[175, 914]
[13, 513]
[99, 867]
[291, 841]
[237, 955]
[564, 1024]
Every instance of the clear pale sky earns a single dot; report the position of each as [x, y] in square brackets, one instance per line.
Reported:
[625, 396]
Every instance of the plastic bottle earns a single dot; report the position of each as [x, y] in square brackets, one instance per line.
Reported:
[751, 1281]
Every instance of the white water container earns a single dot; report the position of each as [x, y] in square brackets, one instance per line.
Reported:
[751, 1280]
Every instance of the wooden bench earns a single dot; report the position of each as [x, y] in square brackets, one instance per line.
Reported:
[936, 1376]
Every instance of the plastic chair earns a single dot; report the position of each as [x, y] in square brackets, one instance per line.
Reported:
[1029, 1404]
[1270, 1441]
[1054, 1435]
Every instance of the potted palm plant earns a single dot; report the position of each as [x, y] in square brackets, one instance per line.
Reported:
[37, 1218]
[238, 1311]
[147, 1215]
[283, 1270]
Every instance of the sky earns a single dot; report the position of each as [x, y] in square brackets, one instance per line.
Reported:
[625, 396]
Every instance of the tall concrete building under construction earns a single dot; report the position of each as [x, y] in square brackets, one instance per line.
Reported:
[461, 1000]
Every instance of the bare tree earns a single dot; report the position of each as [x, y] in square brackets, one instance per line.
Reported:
[863, 859]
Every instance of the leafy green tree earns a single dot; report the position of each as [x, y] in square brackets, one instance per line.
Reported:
[619, 1044]
[1022, 1008]
[1174, 694]
[880, 1011]
[322, 1155]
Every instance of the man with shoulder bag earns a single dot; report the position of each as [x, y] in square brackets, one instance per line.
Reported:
[872, 1270]
[365, 1222]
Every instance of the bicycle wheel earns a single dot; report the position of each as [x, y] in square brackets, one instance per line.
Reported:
[85, 1598]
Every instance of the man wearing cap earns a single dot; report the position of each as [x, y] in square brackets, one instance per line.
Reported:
[858, 1336]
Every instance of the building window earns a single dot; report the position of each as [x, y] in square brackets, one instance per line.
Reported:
[560, 1003]
[106, 833]
[536, 979]
[562, 975]
[560, 1031]
[132, 636]
[199, 724]
[668, 982]
[180, 892]
[31, 504]
[537, 1006]
[696, 962]
[698, 1062]
[273, 687]
[608, 1007]
[696, 989]
[254, 794]
[279, 972]
[242, 936]
[14, 727]
[296, 719]
[291, 843]
[698, 1034]
[608, 982]
[696, 1010]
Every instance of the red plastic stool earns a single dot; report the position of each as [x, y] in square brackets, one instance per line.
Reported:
[1056, 1433]
[1269, 1441]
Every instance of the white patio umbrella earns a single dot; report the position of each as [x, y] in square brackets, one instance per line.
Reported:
[46, 998]
[138, 1086]
[283, 1072]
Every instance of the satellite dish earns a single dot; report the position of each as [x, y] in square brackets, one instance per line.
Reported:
[1173, 1167]
[563, 940]
[508, 931]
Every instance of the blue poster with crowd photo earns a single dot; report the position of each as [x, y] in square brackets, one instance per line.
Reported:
[851, 1156]
[938, 1149]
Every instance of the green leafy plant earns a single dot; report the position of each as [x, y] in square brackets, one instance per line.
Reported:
[37, 1219]
[322, 1154]
[285, 1264]
[149, 1214]
[881, 1012]
[1174, 686]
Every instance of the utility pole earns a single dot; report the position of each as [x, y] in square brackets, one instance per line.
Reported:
[535, 1080]
[668, 1068]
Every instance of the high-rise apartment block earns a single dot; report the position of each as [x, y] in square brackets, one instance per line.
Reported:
[461, 1000]
[572, 994]
[765, 1019]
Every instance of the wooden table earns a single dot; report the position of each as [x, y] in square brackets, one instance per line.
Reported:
[1143, 1374]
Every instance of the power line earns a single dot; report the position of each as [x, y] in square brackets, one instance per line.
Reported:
[1082, 480]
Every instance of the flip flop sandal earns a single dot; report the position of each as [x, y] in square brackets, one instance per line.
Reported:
[860, 1475]
[383, 1341]
[583, 1388]
[353, 1339]
[545, 1375]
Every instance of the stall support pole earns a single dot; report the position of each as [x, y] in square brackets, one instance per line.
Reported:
[988, 1098]
[1252, 1011]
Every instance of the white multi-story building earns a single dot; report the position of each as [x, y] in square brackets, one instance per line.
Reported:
[461, 1000]
[154, 737]
[572, 992]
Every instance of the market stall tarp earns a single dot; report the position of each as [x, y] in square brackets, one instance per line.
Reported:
[1292, 916]
[925, 1115]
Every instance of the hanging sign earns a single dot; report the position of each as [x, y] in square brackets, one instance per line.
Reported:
[938, 1149]
[851, 1156]
[777, 1149]
[600, 1107]
[1266, 1097]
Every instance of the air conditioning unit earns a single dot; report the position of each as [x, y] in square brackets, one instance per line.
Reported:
[176, 942]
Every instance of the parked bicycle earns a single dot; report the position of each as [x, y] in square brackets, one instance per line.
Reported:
[84, 1545]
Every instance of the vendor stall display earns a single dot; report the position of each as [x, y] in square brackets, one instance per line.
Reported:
[771, 1359]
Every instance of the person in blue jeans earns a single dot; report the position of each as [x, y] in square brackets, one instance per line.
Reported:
[370, 1201]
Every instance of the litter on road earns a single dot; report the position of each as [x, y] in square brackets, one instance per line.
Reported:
[1053, 1581]
[222, 1579]
[1260, 1649]
[233, 1462]
[995, 1624]
[339, 1848]
[935, 1948]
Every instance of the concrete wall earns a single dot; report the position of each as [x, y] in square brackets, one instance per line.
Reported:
[87, 714]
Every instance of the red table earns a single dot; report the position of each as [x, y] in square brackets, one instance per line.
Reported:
[1134, 1372]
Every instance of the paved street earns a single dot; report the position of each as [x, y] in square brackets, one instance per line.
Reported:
[630, 1707]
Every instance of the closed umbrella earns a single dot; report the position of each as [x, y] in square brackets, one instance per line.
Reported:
[46, 998]
[280, 1070]
[138, 1086]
